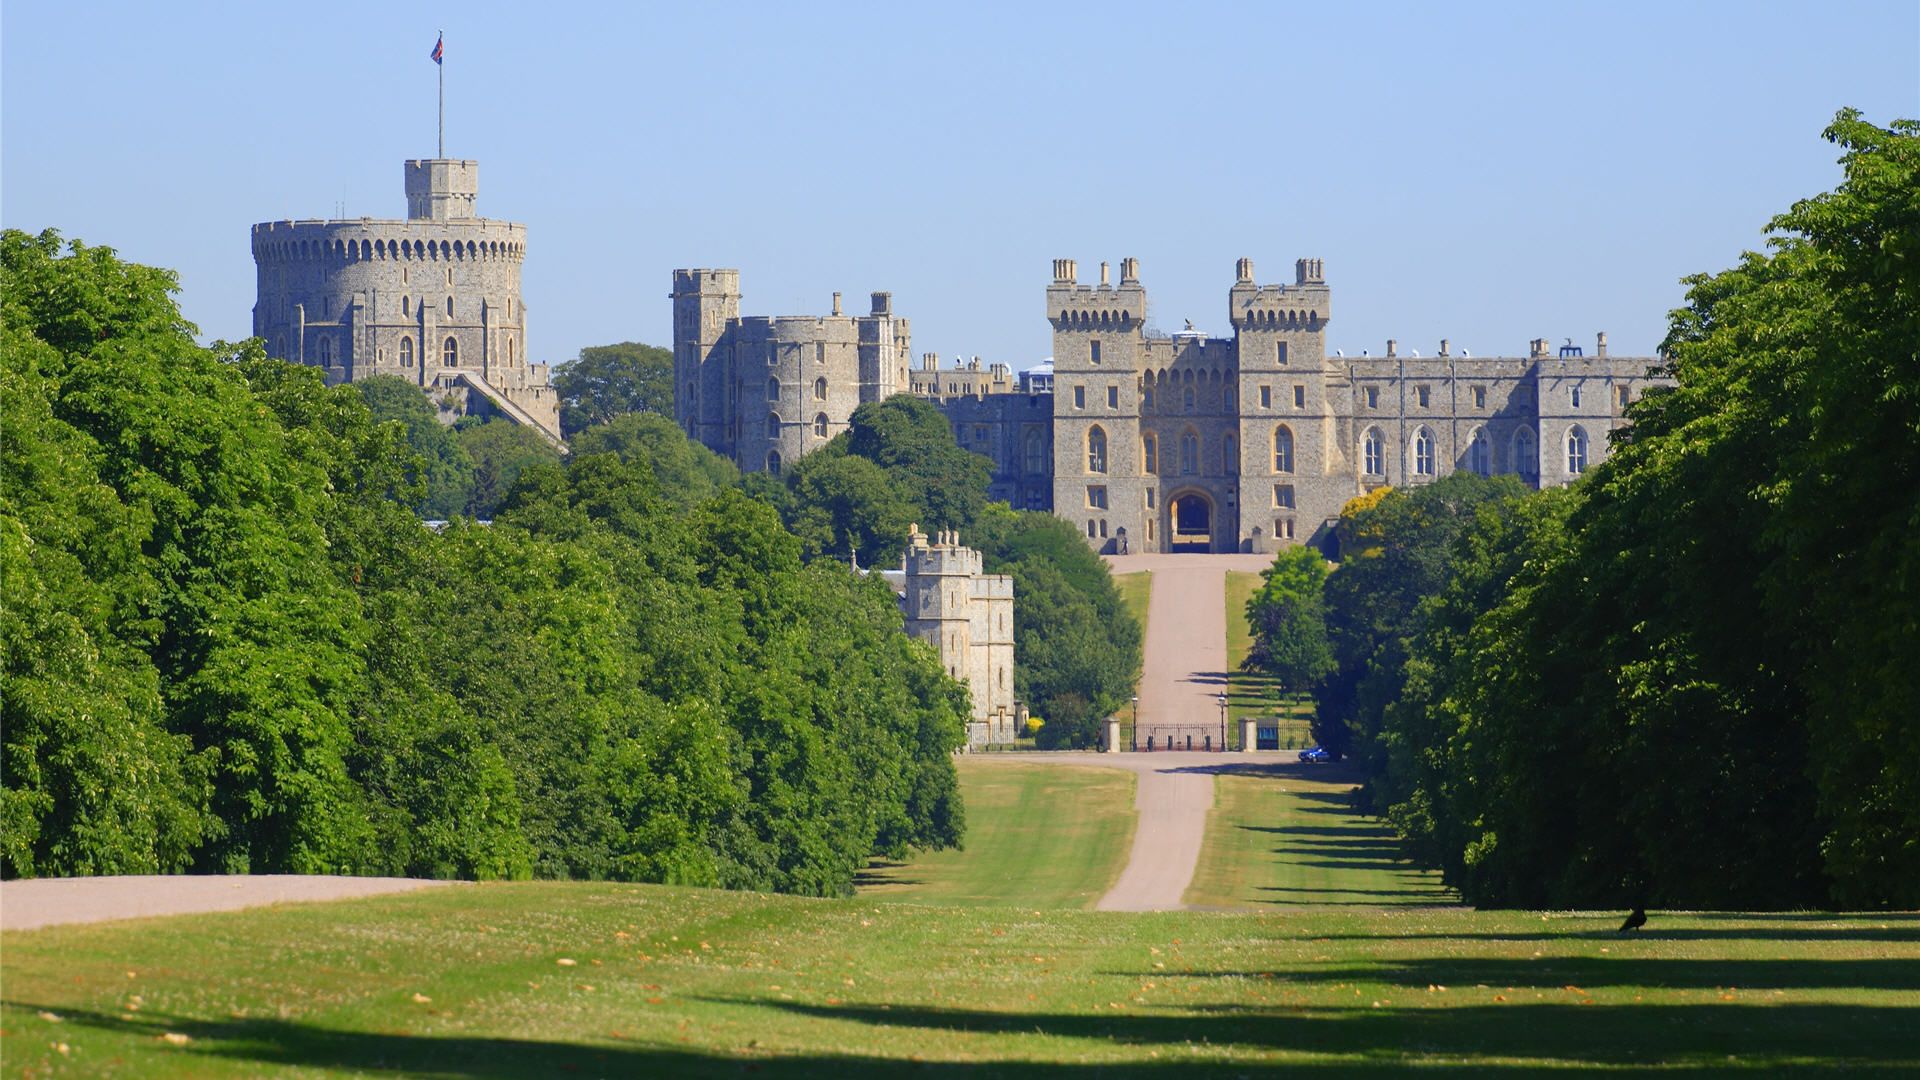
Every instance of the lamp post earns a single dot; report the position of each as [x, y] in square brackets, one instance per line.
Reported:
[1223, 722]
[1133, 741]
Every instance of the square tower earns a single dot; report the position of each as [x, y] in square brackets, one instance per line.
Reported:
[1098, 348]
[1295, 470]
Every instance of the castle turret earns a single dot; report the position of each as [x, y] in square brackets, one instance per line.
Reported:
[442, 189]
[968, 616]
[706, 304]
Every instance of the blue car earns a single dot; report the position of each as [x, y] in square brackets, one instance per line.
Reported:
[1316, 755]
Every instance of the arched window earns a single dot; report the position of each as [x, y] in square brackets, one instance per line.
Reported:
[450, 353]
[1230, 456]
[1186, 398]
[1479, 455]
[449, 303]
[406, 306]
[1526, 461]
[406, 351]
[773, 461]
[773, 389]
[1576, 451]
[1036, 453]
[1423, 452]
[1150, 451]
[1189, 454]
[1282, 449]
[819, 389]
[1375, 453]
[326, 350]
[820, 425]
[1096, 450]
[1146, 399]
[510, 360]
[773, 425]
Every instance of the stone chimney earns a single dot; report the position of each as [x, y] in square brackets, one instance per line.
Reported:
[1600, 344]
[1393, 347]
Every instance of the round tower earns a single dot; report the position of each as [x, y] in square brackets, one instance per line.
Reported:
[433, 298]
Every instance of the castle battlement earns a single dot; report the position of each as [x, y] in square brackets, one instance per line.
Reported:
[1071, 305]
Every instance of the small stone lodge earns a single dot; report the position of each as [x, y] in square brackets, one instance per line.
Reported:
[968, 616]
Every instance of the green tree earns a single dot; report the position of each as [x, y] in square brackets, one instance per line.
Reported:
[499, 450]
[1393, 554]
[1287, 616]
[608, 381]
[249, 630]
[844, 506]
[92, 781]
[448, 471]
[911, 439]
[685, 472]
[1076, 646]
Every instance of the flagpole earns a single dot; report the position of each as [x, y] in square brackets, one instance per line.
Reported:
[442, 66]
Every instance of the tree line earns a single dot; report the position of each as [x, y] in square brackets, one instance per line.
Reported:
[1691, 679]
[231, 645]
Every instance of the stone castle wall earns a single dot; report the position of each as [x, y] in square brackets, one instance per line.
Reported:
[764, 391]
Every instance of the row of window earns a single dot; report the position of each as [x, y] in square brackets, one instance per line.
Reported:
[773, 389]
[449, 351]
[1423, 396]
[1479, 454]
[1373, 450]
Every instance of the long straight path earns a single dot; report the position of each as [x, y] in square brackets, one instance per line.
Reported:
[1186, 648]
[1183, 676]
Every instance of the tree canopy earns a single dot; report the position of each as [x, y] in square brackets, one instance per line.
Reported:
[1287, 615]
[609, 381]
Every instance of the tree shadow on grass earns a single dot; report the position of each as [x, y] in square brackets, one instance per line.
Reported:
[1412, 896]
[1563, 1032]
[880, 872]
[1596, 972]
[1679, 1040]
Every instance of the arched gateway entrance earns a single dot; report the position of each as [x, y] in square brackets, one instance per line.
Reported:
[1191, 518]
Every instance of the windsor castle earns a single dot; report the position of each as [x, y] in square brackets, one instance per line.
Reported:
[1147, 442]
[1155, 442]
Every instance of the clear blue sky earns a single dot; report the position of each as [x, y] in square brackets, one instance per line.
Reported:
[1486, 173]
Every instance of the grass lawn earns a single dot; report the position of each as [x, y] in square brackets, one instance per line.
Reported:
[1281, 835]
[1038, 835]
[1251, 694]
[1134, 590]
[551, 979]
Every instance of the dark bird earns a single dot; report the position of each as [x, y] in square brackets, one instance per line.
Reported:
[1635, 921]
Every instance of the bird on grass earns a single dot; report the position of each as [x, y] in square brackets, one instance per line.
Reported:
[1635, 921]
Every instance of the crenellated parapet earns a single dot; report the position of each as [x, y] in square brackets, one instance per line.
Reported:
[1102, 307]
[1304, 305]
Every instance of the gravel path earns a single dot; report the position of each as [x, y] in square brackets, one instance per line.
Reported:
[28, 905]
[1186, 661]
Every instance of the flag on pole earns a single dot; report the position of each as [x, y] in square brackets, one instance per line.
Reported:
[439, 49]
